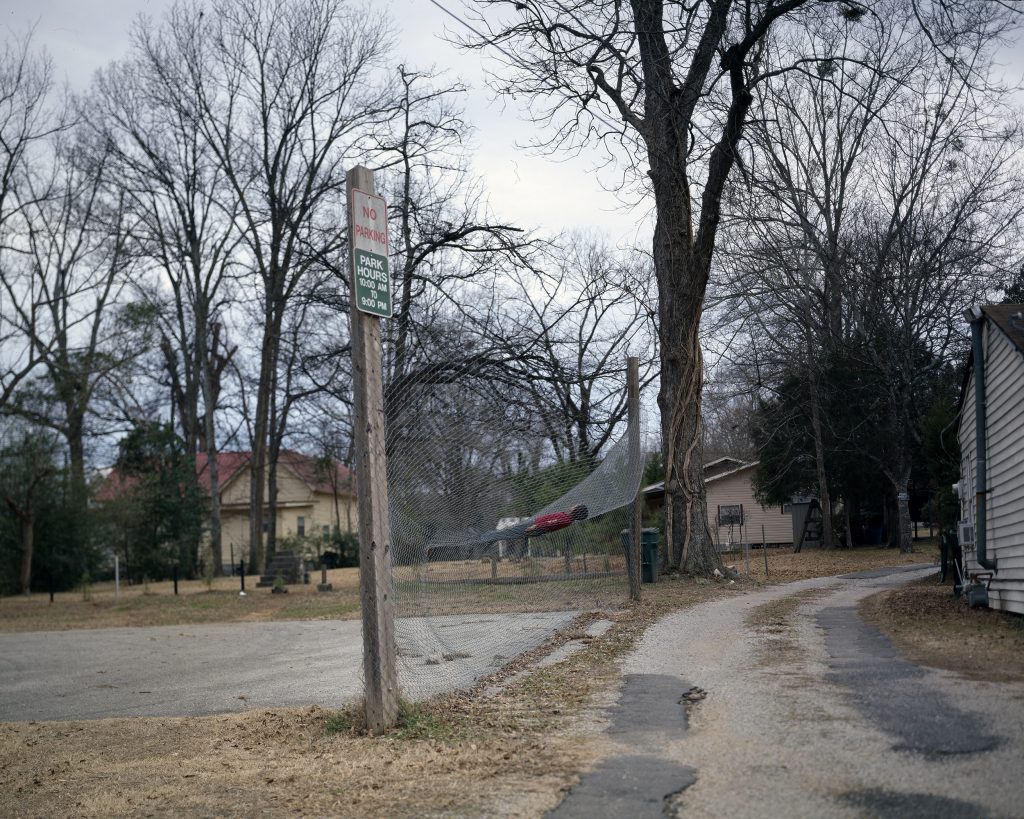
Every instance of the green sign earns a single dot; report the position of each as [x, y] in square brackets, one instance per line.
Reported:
[373, 283]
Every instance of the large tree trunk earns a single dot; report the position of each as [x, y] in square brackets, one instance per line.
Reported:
[272, 501]
[904, 535]
[689, 543]
[210, 442]
[257, 463]
[75, 436]
[683, 250]
[827, 540]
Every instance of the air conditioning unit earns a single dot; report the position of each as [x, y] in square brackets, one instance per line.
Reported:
[965, 532]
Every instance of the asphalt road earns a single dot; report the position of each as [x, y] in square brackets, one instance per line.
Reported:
[214, 669]
[820, 717]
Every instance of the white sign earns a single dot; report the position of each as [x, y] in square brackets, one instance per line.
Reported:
[371, 278]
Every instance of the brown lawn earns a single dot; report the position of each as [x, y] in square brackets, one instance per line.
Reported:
[467, 754]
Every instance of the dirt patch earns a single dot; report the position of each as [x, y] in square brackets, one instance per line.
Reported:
[933, 628]
[773, 623]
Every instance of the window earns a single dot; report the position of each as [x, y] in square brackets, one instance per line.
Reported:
[731, 515]
[300, 526]
[325, 532]
[266, 526]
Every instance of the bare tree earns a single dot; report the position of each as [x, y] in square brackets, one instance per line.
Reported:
[668, 86]
[285, 96]
[28, 121]
[76, 265]
[447, 244]
[186, 227]
[573, 330]
[671, 88]
[886, 133]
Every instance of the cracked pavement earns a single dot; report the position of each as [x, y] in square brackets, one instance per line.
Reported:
[819, 718]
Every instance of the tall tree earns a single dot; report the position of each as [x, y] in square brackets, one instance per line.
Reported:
[671, 87]
[76, 264]
[28, 457]
[847, 137]
[29, 119]
[185, 227]
[285, 96]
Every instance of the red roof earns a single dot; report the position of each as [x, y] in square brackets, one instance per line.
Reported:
[316, 474]
[228, 465]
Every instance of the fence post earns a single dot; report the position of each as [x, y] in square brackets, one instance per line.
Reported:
[764, 548]
[379, 655]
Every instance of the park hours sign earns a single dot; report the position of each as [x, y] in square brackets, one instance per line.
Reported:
[371, 277]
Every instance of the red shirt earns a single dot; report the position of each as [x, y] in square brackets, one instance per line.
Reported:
[542, 524]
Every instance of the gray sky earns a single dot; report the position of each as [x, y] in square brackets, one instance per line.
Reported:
[530, 190]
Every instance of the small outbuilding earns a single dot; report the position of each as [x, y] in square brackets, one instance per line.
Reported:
[991, 433]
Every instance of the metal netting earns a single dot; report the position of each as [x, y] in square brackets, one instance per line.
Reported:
[496, 542]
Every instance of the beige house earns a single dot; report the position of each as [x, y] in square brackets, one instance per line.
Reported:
[991, 434]
[736, 516]
[313, 498]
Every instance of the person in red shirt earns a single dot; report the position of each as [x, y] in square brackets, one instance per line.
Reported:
[545, 524]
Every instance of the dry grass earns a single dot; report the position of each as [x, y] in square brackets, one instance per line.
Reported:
[785, 567]
[470, 753]
[932, 627]
[155, 604]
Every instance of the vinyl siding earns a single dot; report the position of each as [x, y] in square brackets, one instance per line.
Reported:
[1004, 382]
[295, 499]
[736, 489]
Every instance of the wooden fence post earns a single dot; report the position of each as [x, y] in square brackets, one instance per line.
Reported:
[379, 666]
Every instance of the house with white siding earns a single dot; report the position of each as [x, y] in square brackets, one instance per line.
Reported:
[736, 516]
[991, 433]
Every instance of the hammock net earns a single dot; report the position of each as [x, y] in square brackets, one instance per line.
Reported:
[496, 541]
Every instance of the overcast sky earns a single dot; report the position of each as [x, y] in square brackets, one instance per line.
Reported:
[531, 190]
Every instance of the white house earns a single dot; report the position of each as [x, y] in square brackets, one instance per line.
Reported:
[991, 434]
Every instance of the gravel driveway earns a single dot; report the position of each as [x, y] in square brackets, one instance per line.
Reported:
[818, 718]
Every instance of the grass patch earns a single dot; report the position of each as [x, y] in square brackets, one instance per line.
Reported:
[932, 627]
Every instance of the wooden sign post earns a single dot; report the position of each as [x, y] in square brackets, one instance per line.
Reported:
[633, 413]
[371, 297]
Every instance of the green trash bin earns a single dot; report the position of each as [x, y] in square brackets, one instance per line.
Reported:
[649, 555]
